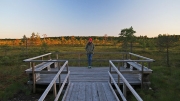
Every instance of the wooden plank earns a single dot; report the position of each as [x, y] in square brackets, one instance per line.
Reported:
[109, 95]
[74, 92]
[139, 67]
[88, 93]
[39, 67]
[81, 93]
[101, 93]
[94, 92]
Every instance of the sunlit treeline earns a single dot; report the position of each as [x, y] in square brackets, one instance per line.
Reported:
[63, 40]
[36, 40]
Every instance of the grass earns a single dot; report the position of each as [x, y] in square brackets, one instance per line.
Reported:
[165, 85]
[165, 81]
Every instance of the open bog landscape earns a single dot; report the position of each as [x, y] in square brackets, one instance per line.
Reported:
[164, 79]
[136, 54]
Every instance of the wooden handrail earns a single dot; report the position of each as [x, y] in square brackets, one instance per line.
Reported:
[118, 89]
[141, 56]
[46, 61]
[53, 82]
[132, 60]
[125, 82]
[40, 56]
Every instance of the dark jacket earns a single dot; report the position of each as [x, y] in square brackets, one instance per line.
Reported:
[89, 47]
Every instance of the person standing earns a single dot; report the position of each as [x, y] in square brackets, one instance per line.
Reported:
[89, 50]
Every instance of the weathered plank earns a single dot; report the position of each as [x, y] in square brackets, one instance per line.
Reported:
[40, 67]
[81, 93]
[94, 92]
[139, 67]
[102, 96]
[90, 91]
[74, 93]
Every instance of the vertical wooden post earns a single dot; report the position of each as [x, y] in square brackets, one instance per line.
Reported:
[67, 68]
[54, 89]
[49, 57]
[110, 73]
[124, 89]
[34, 78]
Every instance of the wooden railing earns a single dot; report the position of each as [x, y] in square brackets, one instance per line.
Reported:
[125, 84]
[80, 58]
[53, 83]
[99, 58]
[32, 66]
[142, 66]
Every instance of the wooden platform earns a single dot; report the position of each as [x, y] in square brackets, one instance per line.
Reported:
[83, 74]
[90, 91]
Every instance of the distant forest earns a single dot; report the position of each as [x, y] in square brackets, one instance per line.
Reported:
[121, 41]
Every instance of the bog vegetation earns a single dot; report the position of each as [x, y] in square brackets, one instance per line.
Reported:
[164, 49]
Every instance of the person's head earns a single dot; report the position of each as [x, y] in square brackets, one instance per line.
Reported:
[90, 39]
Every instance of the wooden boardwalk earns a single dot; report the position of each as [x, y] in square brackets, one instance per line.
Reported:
[84, 84]
[89, 84]
[83, 74]
[90, 91]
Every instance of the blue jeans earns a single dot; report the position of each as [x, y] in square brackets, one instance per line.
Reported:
[89, 56]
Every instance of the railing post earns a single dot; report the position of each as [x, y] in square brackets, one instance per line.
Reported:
[49, 56]
[54, 89]
[34, 78]
[67, 68]
[110, 72]
[124, 89]
[67, 72]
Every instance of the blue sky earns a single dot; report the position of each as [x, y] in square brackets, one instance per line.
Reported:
[88, 17]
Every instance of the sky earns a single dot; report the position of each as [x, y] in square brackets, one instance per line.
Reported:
[88, 17]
